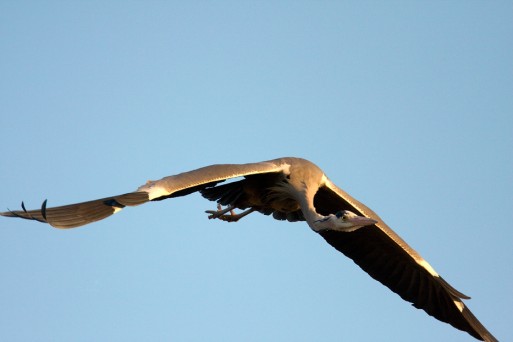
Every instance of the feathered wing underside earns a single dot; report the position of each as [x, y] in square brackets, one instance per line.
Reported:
[256, 192]
[79, 214]
[381, 253]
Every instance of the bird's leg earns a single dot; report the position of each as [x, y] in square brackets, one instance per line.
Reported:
[220, 213]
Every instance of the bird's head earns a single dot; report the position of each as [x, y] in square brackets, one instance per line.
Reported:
[345, 221]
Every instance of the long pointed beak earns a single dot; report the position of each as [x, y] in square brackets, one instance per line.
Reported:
[361, 221]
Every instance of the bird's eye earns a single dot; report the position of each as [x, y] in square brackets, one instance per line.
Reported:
[341, 215]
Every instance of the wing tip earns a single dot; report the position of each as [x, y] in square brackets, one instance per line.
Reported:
[79, 214]
[480, 332]
[26, 214]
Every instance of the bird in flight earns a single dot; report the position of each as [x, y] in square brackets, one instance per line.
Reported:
[294, 189]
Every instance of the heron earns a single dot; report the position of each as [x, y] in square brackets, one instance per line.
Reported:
[294, 189]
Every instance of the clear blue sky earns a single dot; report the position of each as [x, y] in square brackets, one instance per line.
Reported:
[407, 105]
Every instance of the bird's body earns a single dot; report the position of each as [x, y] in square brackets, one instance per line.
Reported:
[295, 189]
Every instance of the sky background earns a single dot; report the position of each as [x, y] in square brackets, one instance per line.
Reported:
[407, 105]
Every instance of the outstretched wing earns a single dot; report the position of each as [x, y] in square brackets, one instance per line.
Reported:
[380, 252]
[79, 214]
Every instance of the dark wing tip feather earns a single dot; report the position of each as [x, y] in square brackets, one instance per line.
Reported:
[26, 214]
[451, 289]
[43, 209]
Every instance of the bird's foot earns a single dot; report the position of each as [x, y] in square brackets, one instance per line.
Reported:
[220, 213]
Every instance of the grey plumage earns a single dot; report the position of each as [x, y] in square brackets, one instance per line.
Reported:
[295, 189]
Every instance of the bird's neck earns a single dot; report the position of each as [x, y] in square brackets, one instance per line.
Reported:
[304, 196]
[315, 220]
